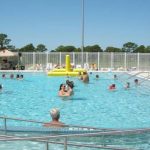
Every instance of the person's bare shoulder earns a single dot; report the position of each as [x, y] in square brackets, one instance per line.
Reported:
[51, 124]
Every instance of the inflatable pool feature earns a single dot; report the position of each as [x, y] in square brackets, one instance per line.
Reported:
[67, 71]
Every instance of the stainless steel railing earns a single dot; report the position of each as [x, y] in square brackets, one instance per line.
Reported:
[46, 139]
[65, 143]
[5, 119]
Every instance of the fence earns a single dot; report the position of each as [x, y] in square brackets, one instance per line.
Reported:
[122, 61]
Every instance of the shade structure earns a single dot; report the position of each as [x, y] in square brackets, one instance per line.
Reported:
[6, 53]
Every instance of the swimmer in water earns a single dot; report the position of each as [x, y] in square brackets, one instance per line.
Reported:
[1, 87]
[136, 81]
[127, 86]
[112, 87]
[97, 76]
[3, 76]
[21, 77]
[11, 76]
[55, 115]
[63, 91]
[115, 77]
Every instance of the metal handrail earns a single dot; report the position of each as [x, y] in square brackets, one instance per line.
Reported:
[137, 74]
[120, 132]
[45, 139]
[65, 143]
[19, 119]
[100, 131]
[41, 122]
[87, 145]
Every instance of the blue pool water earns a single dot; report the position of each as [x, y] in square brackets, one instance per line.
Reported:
[91, 105]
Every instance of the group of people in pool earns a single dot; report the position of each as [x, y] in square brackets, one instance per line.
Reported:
[127, 85]
[66, 89]
[12, 76]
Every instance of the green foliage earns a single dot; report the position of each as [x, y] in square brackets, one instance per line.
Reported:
[41, 48]
[113, 49]
[11, 48]
[62, 48]
[4, 41]
[129, 47]
[94, 48]
[28, 48]
[140, 49]
[147, 49]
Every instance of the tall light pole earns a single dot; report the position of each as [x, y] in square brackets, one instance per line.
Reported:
[82, 46]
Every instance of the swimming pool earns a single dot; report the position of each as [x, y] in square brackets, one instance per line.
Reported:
[91, 105]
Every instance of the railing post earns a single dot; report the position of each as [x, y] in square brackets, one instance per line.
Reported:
[125, 61]
[98, 60]
[46, 58]
[65, 144]
[34, 59]
[138, 62]
[47, 146]
[112, 60]
[59, 58]
[5, 124]
[73, 59]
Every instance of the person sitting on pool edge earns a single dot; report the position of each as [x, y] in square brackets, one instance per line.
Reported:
[63, 91]
[55, 115]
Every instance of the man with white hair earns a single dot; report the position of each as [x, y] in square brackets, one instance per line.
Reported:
[55, 115]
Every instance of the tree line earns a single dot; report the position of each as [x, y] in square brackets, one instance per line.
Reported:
[127, 47]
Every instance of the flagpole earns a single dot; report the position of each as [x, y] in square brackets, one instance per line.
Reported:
[82, 46]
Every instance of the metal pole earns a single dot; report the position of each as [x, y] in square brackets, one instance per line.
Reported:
[60, 59]
[82, 47]
[98, 61]
[34, 60]
[65, 144]
[73, 59]
[46, 58]
[18, 60]
[138, 62]
[112, 60]
[47, 147]
[125, 61]
[5, 124]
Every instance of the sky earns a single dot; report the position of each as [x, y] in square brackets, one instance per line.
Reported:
[59, 22]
